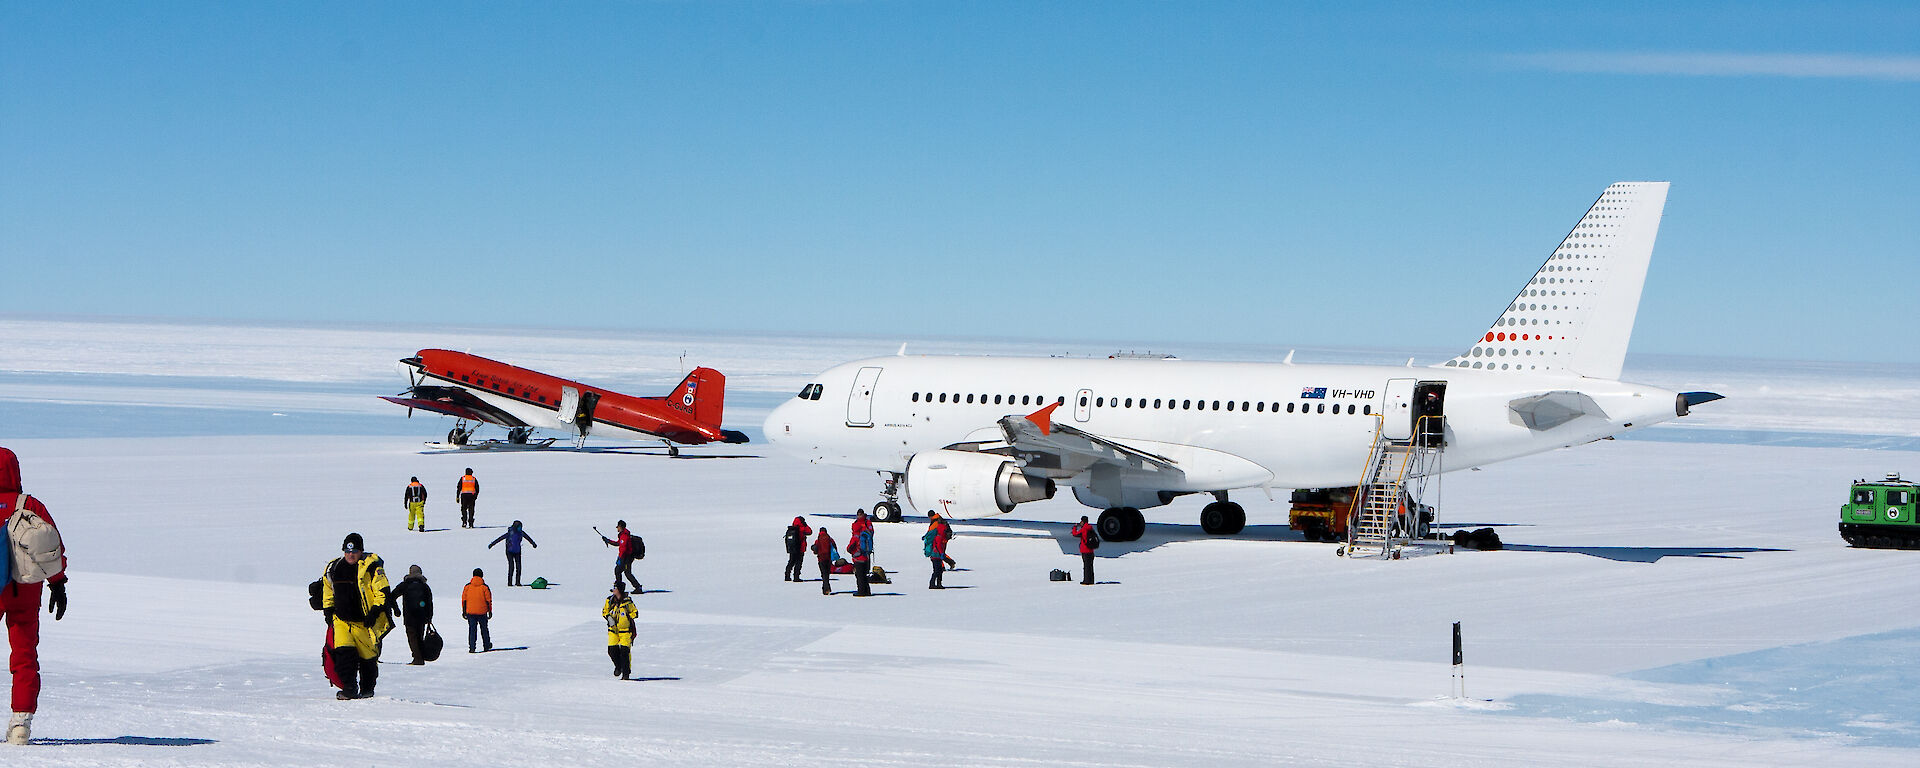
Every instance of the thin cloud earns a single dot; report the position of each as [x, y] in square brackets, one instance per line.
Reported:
[1824, 65]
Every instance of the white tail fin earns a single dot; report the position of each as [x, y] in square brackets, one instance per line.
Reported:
[1576, 314]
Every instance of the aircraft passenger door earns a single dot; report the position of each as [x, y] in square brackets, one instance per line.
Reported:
[569, 400]
[583, 414]
[860, 399]
[1397, 414]
[1083, 405]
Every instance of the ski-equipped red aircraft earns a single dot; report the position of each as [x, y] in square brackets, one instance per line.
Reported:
[475, 389]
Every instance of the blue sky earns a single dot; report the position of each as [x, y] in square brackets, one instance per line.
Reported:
[1146, 173]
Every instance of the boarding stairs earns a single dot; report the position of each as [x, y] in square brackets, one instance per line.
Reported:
[1386, 508]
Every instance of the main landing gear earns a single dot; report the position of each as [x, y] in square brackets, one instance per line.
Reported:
[1121, 524]
[1222, 517]
[460, 433]
[518, 435]
[887, 510]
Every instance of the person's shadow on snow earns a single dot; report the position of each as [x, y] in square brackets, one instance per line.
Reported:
[132, 741]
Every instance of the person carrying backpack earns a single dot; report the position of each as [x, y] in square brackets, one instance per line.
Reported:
[823, 550]
[34, 555]
[513, 538]
[415, 599]
[860, 552]
[1089, 541]
[935, 548]
[620, 615]
[796, 540]
[416, 500]
[627, 548]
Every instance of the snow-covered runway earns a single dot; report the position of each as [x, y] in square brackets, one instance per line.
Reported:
[1659, 602]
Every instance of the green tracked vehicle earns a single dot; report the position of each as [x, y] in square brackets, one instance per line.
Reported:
[1880, 514]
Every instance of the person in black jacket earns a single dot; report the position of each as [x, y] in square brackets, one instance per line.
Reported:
[415, 600]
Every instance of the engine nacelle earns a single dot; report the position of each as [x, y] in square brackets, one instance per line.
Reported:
[964, 484]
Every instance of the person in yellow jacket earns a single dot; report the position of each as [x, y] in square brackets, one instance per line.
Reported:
[358, 603]
[620, 615]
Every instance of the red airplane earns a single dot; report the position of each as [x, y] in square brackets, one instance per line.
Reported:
[475, 389]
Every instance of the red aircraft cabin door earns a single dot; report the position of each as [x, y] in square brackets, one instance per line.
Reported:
[860, 398]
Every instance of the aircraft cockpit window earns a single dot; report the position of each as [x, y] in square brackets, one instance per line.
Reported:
[811, 391]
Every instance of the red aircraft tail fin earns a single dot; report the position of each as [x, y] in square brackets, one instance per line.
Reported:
[702, 395]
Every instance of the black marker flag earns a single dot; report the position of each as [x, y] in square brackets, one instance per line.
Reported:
[1457, 661]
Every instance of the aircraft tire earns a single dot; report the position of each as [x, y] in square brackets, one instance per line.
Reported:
[886, 512]
[1236, 518]
[1136, 523]
[1217, 518]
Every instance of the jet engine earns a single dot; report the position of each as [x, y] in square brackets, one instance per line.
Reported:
[964, 484]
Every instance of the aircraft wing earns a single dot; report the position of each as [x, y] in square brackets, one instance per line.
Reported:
[456, 402]
[1036, 433]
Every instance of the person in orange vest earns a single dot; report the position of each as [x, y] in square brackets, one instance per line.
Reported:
[469, 492]
[476, 603]
[416, 501]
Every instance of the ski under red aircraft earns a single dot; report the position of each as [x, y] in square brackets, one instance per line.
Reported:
[475, 389]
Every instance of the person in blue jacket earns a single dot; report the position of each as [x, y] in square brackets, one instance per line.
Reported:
[513, 537]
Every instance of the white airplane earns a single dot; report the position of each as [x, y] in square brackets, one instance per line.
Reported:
[975, 436]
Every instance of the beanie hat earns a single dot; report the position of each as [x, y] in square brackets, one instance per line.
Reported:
[476, 572]
[414, 570]
[353, 543]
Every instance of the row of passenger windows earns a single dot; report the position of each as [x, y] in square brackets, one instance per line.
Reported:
[1156, 403]
[495, 386]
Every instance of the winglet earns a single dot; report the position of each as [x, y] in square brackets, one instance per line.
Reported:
[1043, 418]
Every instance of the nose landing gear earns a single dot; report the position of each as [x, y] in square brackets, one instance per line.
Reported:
[887, 510]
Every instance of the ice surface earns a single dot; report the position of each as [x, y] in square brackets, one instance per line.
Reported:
[1660, 602]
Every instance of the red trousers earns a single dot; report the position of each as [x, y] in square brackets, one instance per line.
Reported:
[21, 604]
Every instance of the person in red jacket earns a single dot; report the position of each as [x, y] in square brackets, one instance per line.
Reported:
[626, 549]
[21, 605]
[1085, 533]
[936, 548]
[860, 551]
[796, 541]
[823, 550]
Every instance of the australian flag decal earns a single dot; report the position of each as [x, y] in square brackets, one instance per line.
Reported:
[1316, 393]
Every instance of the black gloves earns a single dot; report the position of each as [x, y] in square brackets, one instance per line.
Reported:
[57, 604]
